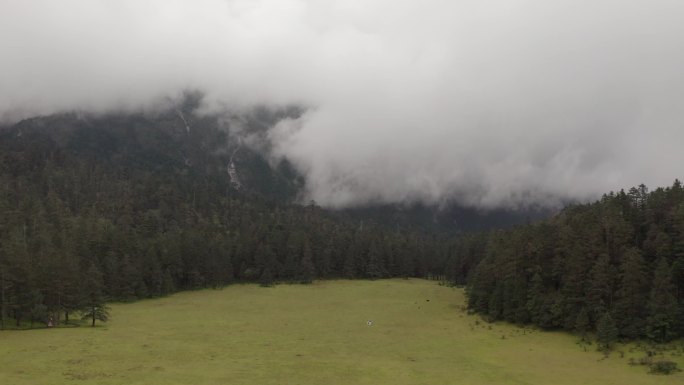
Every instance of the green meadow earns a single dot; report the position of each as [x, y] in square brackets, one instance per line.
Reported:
[310, 334]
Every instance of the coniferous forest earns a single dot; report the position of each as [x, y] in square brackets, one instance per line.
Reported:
[134, 207]
[617, 263]
[118, 208]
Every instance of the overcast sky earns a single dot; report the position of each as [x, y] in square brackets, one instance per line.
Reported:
[488, 102]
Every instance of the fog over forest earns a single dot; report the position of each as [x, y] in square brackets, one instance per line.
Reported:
[495, 103]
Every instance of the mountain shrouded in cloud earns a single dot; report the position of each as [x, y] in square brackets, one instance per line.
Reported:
[487, 103]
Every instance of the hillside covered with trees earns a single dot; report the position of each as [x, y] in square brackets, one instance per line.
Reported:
[615, 264]
[123, 207]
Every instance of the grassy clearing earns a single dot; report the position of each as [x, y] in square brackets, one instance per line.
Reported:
[316, 334]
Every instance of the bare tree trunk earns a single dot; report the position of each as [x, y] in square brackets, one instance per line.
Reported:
[93, 316]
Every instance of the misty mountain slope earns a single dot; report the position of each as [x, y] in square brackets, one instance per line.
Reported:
[497, 105]
[148, 206]
[161, 144]
[156, 144]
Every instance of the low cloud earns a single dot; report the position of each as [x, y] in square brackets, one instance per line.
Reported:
[489, 103]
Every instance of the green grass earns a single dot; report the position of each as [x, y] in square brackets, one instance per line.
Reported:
[315, 334]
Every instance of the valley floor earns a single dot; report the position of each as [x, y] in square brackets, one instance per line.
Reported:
[309, 334]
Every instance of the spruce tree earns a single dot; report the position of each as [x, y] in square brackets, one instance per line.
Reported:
[599, 289]
[349, 268]
[307, 270]
[4, 289]
[168, 285]
[94, 306]
[266, 260]
[266, 278]
[406, 262]
[535, 298]
[606, 332]
[630, 307]
[582, 323]
[293, 255]
[326, 260]
[662, 324]
[374, 267]
[67, 282]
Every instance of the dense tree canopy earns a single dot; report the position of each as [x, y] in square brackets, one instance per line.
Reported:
[619, 260]
[112, 211]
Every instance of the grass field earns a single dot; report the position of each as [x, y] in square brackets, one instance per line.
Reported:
[315, 334]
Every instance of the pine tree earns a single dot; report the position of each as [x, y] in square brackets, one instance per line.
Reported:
[535, 297]
[18, 272]
[153, 276]
[582, 323]
[630, 306]
[99, 313]
[4, 289]
[481, 285]
[599, 291]
[495, 304]
[307, 271]
[406, 262]
[293, 255]
[265, 259]
[168, 285]
[4, 278]
[349, 268]
[519, 296]
[131, 285]
[71, 299]
[39, 312]
[678, 250]
[266, 278]
[326, 260]
[65, 274]
[662, 323]
[94, 306]
[606, 332]
[374, 268]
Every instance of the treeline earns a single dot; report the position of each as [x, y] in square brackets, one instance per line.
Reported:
[615, 266]
[81, 224]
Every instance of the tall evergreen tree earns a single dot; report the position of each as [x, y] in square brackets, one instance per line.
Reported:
[374, 268]
[535, 297]
[4, 289]
[266, 278]
[265, 258]
[94, 306]
[582, 323]
[599, 291]
[663, 322]
[606, 332]
[630, 307]
[307, 270]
